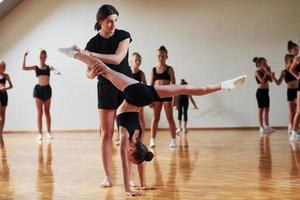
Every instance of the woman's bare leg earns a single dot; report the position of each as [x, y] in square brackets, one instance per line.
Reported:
[266, 117]
[107, 118]
[260, 117]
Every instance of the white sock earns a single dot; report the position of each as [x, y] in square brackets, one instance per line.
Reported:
[70, 51]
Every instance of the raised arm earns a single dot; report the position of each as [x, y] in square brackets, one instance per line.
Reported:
[293, 69]
[55, 71]
[193, 102]
[24, 67]
[280, 79]
[115, 58]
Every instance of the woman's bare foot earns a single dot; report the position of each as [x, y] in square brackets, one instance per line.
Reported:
[106, 182]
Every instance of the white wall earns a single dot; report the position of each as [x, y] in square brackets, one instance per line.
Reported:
[208, 41]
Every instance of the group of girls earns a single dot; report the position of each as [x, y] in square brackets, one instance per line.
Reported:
[120, 97]
[291, 75]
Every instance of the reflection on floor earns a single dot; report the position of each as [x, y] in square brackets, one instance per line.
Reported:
[205, 165]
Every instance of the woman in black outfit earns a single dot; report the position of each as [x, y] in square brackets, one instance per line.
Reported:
[111, 46]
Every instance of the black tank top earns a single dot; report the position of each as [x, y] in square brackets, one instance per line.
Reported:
[137, 76]
[288, 76]
[3, 80]
[161, 76]
[42, 72]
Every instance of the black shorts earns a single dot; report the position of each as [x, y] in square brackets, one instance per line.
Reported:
[3, 99]
[42, 92]
[263, 99]
[140, 95]
[291, 94]
[109, 97]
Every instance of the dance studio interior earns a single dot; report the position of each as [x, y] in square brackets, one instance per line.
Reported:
[216, 114]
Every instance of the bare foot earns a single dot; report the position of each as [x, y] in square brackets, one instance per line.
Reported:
[106, 182]
[133, 194]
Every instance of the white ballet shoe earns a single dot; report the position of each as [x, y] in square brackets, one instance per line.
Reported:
[70, 51]
[233, 83]
[49, 136]
[152, 143]
[295, 136]
[173, 143]
[39, 137]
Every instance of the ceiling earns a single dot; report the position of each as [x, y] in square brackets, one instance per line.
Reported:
[7, 5]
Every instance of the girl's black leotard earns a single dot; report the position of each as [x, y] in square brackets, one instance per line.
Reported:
[130, 121]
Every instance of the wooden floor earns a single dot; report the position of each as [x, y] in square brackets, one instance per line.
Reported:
[208, 165]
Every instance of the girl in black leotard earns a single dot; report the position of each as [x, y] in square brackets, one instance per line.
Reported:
[138, 95]
[42, 91]
[263, 77]
[182, 104]
[3, 98]
[139, 75]
[292, 87]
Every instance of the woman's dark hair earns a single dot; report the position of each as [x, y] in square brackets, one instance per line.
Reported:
[141, 153]
[103, 12]
[183, 82]
[291, 45]
[259, 60]
[43, 51]
[137, 54]
[288, 58]
[163, 48]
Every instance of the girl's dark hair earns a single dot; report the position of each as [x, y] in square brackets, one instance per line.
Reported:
[137, 54]
[141, 153]
[163, 48]
[291, 45]
[288, 58]
[183, 82]
[43, 51]
[103, 12]
[258, 60]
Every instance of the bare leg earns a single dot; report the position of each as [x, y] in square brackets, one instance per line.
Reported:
[2, 122]
[266, 116]
[39, 107]
[260, 117]
[107, 118]
[174, 90]
[119, 80]
[48, 117]
[291, 112]
[157, 106]
[169, 115]
[297, 115]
